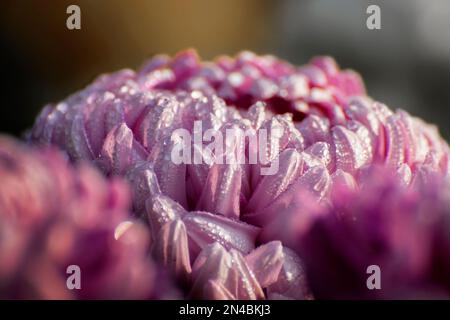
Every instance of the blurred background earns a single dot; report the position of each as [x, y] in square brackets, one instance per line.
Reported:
[406, 64]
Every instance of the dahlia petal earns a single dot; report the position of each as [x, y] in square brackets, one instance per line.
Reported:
[221, 190]
[365, 137]
[326, 64]
[410, 140]
[154, 63]
[292, 281]
[350, 83]
[76, 139]
[266, 262]
[404, 174]
[295, 200]
[321, 151]
[314, 75]
[276, 138]
[247, 287]
[40, 124]
[313, 129]
[185, 63]
[341, 183]
[381, 111]
[161, 79]
[214, 290]
[395, 148]
[161, 210]
[213, 263]
[349, 152]
[109, 82]
[292, 138]
[205, 228]
[257, 114]
[359, 109]
[115, 155]
[144, 184]
[294, 87]
[159, 119]
[316, 180]
[271, 186]
[196, 179]
[212, 73]
[95, 120]
[55, 128]
[289, 216]
[171, 248]
[171, 176]
[115, 116]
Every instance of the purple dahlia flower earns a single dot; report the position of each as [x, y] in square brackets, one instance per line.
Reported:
[323, 132]
[403, 231]
[53, 216]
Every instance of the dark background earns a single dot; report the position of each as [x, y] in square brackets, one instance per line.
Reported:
[406, 64]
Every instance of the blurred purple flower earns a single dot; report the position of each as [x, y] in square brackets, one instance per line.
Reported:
[53, 216]
[403, 231]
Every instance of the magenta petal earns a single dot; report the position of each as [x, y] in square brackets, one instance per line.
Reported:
[292, 280]
[257, 114]
[314, 75]
[115, 155]
[321, 151]
[271, 186]
[247, 287]
[115, 115]
[171, 248]
[341, 184]
[171, 176]
[295, 200]
[395, 148]
[144, 185]
[56, 125]
[222, 190]
[154, 63]
[316, 180]
[214, 290]
[294, 87]
[159, 120]
[213, 263]
[290, 216]
[349, 152]
[327, 64]
[227, 268]
[350, 83]
[409, 135]
[404, 174]
[161, 210]
[95, 120]
[205, 228]
[266, 262]
[313, 129]
[196, 177]
[41, 122]
[76, 138]
[359, 109]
